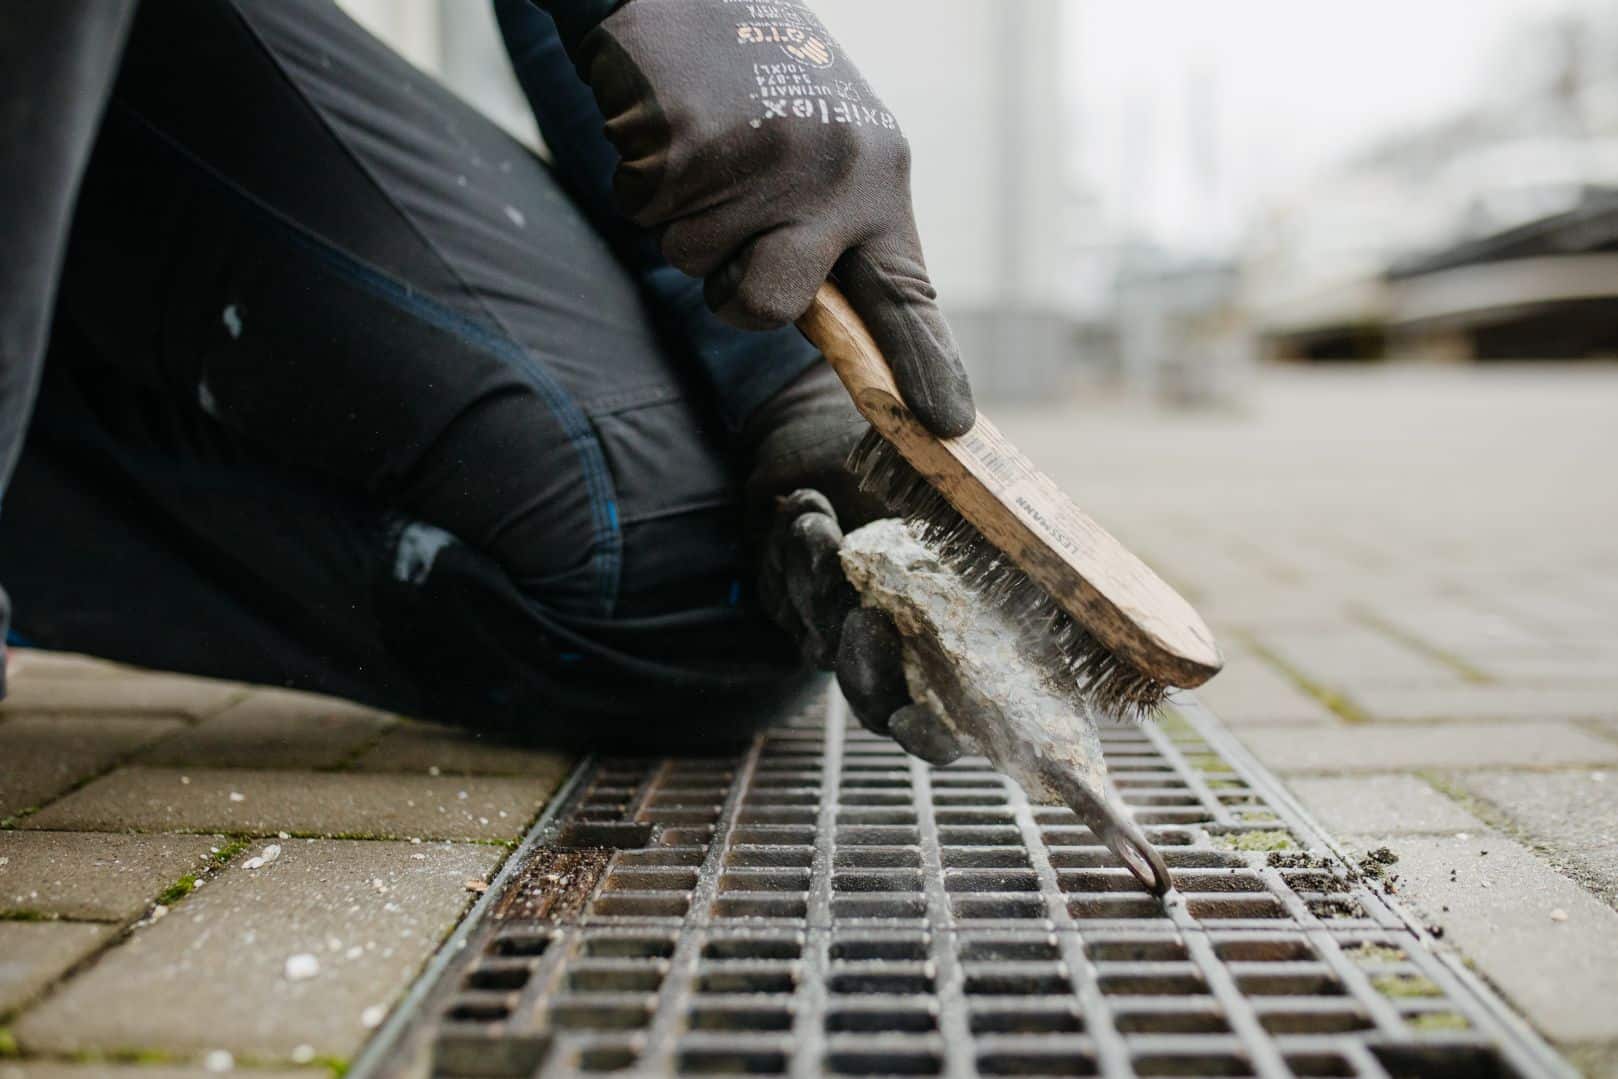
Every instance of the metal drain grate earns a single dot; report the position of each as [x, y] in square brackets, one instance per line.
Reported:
[824, 904]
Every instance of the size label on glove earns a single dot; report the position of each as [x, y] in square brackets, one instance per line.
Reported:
[795, 76]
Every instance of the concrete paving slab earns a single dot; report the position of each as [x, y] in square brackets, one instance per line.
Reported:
[1486, 701]
[303, 803]
[1454, 625]
[1250, 691]
[42, 756]
[1573, 814]
[133, 692]
[35, 954]
[92, 876]
[1545, 943]
[1385, 804]
[421, 747]
[1409, 746]
[1356, 656]
[214, 973]
[38, 663]
[275, 729]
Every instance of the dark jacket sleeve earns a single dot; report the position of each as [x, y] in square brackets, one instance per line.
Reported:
[576, 18]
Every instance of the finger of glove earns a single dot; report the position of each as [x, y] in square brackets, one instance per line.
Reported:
[638, 132]
[772, 280]
[821, 595]
[870, 668]
[772, 578]
[923, 735]
[886, 282]
[699, 243]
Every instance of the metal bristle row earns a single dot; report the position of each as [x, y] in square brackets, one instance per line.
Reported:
[1113, 685]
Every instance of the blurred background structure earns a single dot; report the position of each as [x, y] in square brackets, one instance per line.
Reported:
[1160, 194]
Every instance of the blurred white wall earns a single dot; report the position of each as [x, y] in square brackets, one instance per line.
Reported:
[977, 88]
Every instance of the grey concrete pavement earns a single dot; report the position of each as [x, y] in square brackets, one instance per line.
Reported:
[1413, 572]
[161, 909]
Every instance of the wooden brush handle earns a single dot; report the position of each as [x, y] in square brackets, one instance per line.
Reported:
[1089, 574]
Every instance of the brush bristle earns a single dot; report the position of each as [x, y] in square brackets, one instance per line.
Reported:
[1112, 684]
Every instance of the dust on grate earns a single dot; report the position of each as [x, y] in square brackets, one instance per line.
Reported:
[824, 904]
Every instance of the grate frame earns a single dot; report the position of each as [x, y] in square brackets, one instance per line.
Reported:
[821, 903]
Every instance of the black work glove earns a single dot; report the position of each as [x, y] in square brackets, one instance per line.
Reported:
[764, 161]
[800, 440]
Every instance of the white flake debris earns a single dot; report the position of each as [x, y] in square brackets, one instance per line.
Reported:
[354, 952]
[372, 1017]
[237, 796]
[301, 967]
[434, 770]
[517, 217]
[461, 796]
[1558, 915]
[303, 1054]
[185, 781]
[263, 857]
[231, 316]
[219, 1060]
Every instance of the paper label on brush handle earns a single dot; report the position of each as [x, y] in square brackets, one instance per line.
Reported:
[1015, 481]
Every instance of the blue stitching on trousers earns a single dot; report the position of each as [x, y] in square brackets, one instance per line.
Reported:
[607, 539]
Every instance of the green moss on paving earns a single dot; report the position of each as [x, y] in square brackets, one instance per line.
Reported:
[1174, 723]
[1257, 841]
[1372, 952]
[8, 1044]
[178, 890]
[1466, 670]
[24, 915]
[1225, 784]
[230, 848]
[1434, 1021]
[1206, 762]
[146, 1057]
[1400, 986]
[337, 1066]
[1336, 703]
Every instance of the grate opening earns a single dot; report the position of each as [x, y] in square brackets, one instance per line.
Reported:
[745, 1019]
[820, 903]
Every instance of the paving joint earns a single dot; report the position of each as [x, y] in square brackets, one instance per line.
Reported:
[1392, 631]
[1339, 704]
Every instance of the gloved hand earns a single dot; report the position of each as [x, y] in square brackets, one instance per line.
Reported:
[800, 440]
[764, 161]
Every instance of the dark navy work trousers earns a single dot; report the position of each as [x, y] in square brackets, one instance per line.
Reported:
[347, 390]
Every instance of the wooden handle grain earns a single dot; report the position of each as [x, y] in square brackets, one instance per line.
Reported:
[1023, 512]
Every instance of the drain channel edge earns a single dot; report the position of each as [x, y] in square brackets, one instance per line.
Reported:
[823, 904]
